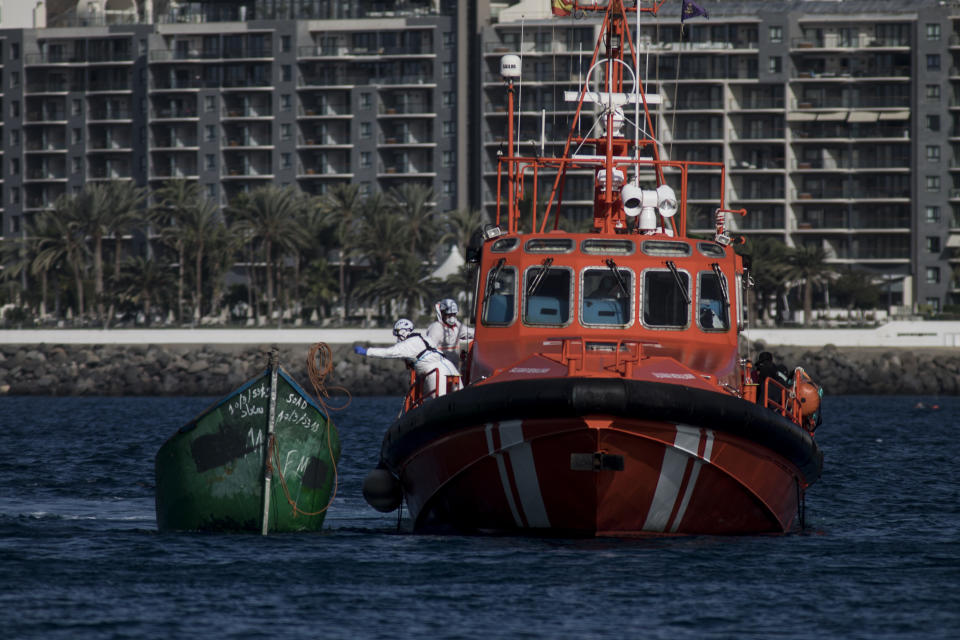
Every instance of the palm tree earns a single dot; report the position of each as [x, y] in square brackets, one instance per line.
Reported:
[767, 265]
[807, 264]
[461, 225]
[173, 202]
[60, 240]
[125, 200]
[223, 248]
[382, 238]
[145, 281]
[201, 223]
[271, 215]
[342, 205]
[415, 202]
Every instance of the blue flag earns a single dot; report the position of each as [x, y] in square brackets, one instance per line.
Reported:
[691, 9]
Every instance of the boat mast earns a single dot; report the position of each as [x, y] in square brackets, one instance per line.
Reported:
[271, 417]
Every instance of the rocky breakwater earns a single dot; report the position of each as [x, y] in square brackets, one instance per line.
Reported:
[158, 370]
[215, 370]
[875, 371]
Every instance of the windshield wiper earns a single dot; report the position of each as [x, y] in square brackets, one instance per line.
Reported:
[538, 279]
[493, 279]
[723, 284]
[679, 281]
[616, 274]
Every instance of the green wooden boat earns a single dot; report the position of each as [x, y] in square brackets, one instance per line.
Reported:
[263, 459]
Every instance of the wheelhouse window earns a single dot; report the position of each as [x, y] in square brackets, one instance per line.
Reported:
[499, 298]
[666, 299]
[546, 300]
[607, 299]
[713, 302]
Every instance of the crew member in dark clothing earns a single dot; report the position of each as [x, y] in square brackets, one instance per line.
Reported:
[766, 368]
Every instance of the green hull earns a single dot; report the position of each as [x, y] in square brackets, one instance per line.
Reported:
[211, 475]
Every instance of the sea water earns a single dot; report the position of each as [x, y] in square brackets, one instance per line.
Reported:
[80, 555]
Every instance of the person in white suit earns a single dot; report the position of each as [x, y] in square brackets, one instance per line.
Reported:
[421, 354]
[446, 331]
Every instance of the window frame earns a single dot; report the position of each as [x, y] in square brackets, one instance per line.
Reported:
[525, 299]
[631, 303]
[643, 297]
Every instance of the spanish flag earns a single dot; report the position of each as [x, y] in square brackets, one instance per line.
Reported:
[562, 7]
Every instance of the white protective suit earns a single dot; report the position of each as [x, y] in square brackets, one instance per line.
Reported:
[448, 338]
[425, 359]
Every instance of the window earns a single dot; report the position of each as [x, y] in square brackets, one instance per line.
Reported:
[449, 68]
[365, 160]
[449, 98]
[449, 38]
[934, 304]
[546, 300]
[15, 166]
[15, 51]
[210, 132]
[607, 297]
[364, 129]
[76, 164]
[499, 296]
[933, 123]
[286, 131]
[933, 244]
[77, 107]
[449, 188]
[210, 103]
[15, 137]
[366, 101]
[665, 300]
[15, 195]
[933, 62]
[286, 161]
[775, 64]
[15, 79]
[284, 43]
[933, 153]
[776, 34]
[286, 102]
[933, 31]
[364, 189]
[286, 73]
[211, 161]
[933, 183]
[713, 304]
[212, 191]
[933, 214]
[77, 136]
[933, 275]
[449, 128]
[933, 92]
[449, 157]
[15, 108]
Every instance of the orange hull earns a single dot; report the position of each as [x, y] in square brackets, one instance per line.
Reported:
[593, 475]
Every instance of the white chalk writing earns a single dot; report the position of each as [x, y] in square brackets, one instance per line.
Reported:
[244, 404]
[301, 418]
[297, 401]
[300, 464]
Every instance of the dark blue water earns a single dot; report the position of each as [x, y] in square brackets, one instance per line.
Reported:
[80, 556]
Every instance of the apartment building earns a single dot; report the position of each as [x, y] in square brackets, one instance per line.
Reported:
[211, 93]
[838, 122]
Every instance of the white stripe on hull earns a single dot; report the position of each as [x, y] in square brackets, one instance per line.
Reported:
[685, 451]
[524, 473]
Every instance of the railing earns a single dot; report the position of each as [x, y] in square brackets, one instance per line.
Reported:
[78, 57]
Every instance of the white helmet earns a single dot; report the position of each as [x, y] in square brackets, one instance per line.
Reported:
[447, 308]
[402, 328]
